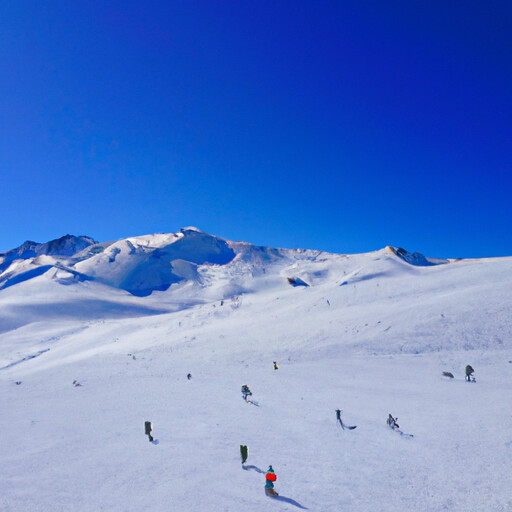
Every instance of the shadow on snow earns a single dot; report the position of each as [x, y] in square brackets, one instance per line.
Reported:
[290, 501]
[255, 468]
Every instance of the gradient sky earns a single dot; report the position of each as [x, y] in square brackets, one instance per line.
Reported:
[334, 125]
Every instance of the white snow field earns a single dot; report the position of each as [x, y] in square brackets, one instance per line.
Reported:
[369, 334]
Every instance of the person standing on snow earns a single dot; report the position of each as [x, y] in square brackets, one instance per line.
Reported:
[270, 478]
[148, 427]
[276, 366]
[469, 372]
[244, 453]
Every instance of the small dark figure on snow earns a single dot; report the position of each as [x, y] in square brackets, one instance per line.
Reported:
[148, 427]
[270, 478]
[189, 376]
[244, 453]
[469, 373]
[392, 422]
[340, 421]
[246, 392]
[276, 366]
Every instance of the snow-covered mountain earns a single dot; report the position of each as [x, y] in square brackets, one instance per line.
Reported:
[190, 266]
[139, 265]
[64, 246]
[144, 264]
[367, 333]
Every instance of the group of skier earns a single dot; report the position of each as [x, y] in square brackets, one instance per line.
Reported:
[270, 476]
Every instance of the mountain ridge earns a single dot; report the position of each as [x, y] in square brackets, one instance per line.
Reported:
[142, 265]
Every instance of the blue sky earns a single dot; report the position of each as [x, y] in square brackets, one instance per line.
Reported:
[333, 125]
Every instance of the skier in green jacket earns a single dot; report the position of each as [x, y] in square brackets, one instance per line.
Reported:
[244, 452]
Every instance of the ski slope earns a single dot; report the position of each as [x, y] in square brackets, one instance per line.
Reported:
[369, 334]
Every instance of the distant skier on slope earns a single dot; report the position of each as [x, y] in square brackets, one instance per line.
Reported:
[340, 421]
[148, 427]
[469, 373]
[392, 422]
[244, 452]
[276, 366]
[246, 392]
[270, 478]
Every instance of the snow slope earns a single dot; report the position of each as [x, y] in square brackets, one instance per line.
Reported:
[370, 334]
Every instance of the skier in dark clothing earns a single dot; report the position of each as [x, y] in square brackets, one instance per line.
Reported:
[469, 373]
[340, 421]
[244, 452]
[189, 376]
[392, 422]
[246, 392]
[148, 426]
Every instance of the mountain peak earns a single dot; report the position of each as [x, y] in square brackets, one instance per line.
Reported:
[191, 229]
[414, 258]
[67, 245]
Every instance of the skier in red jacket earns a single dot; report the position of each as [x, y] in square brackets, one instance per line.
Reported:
[270, 478]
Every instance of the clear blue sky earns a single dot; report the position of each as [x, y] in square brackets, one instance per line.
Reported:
[336, 125]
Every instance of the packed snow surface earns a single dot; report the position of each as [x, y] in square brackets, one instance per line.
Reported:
[97, 338]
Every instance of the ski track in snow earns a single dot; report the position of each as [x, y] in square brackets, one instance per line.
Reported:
[26, 358]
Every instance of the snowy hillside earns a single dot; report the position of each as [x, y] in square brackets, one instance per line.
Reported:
[97, 338]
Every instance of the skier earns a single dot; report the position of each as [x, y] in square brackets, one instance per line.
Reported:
[270, 478]
[392, 422]
[244, 453]
[276, 366]
[469, 373]
[340, 421]
[246, 392]
[148, 428]
[189, 376]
